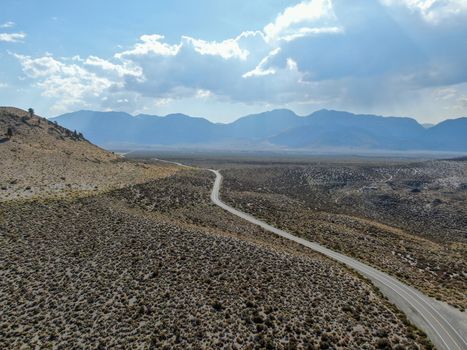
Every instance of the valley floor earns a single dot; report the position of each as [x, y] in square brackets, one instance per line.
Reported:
[157, 265]
[406, 219]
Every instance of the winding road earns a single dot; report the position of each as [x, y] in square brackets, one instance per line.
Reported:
[445, 326]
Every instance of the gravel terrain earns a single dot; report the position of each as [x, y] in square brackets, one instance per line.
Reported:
[100, 252]
[118, 271]
[381, 214]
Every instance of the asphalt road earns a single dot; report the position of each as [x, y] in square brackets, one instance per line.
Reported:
[444, 325]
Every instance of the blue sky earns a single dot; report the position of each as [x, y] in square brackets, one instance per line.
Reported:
[224, 59]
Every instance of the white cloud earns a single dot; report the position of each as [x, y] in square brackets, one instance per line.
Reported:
[198, 65]
[433, 11]
[463, 102]
[12, 37]
[453, 97]
[303, 32]
[260, 69]
[306, 18]
[151, 44]
[293, 60]
[442, 94]
[203, 93]
[157, 72]
[162, 102]
[3, 85]
[292, 65]
[69, 84]
[8, 24]
[127, 68]
[226, 49]
[39, 67]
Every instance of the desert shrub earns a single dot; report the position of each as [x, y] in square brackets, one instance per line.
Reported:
[383, 343]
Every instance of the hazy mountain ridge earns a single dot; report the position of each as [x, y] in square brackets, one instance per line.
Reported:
[326, 128]
[282, 128]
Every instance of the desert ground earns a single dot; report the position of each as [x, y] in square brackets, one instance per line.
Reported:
[147, 261]
[156, 265]
[405, 217]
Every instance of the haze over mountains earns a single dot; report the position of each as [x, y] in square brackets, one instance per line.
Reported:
[277, 129]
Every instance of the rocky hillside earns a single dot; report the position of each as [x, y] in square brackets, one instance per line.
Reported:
[40, 158]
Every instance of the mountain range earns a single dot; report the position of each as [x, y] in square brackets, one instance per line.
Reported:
[277, 129]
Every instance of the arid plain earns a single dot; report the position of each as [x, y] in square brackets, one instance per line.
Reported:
[153, 263]
[404, 216]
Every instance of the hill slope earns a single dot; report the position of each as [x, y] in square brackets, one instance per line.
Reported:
[41, 158]
[157, 266]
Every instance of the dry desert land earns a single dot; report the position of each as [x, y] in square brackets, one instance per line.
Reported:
[409, 218]
[142, 266]
[152, 263]
[43, 159]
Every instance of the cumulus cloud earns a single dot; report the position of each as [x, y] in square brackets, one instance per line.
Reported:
[126, 68]
[261, 69]
[318, 53]
[453, 97]
[226, 49]
[70, 84]
[8, 24]
[39, 67]
[151, 44]
[12, 37]
[153, 69]
[433, 11]
[306, 18]
[212, 66]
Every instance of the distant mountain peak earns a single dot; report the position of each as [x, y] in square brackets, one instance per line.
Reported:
[182, 116]
[323, 129]
[281, 110]
[177, 115]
